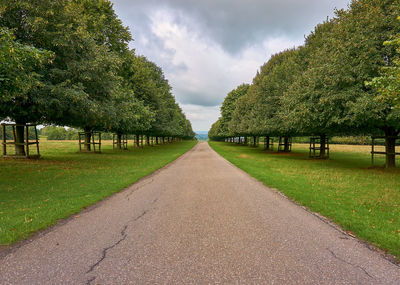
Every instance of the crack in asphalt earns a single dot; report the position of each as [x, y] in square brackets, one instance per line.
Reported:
[91, 280]
[137, 188]
[355, 265]
[144, 213]
[104, 254]
[105, 250]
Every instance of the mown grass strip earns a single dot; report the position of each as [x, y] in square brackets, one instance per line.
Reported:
[34, 194]
[362, 199]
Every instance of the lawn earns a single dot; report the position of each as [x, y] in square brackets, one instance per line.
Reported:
[364, 200]
[35, 194]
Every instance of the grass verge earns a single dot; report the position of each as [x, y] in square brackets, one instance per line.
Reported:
[34, 194]
[362, 199]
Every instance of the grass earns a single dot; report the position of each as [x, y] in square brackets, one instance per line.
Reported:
[364, 200]
[35, 194]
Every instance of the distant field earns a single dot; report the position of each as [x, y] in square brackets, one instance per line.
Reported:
[346, 188]
[34, 194]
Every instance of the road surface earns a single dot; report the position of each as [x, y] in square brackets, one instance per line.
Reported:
[199, 220]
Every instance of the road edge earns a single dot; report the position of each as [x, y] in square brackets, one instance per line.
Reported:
[387, 256]
[8, 249]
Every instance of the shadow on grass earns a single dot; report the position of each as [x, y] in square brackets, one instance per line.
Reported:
[338, 159]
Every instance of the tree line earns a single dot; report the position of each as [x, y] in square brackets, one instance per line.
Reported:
[344, 80]
[68, 63]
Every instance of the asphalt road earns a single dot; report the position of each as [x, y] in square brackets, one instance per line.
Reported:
[200, 220]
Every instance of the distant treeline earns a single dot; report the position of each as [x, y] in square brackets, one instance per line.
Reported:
[202, 137]
[61, 133]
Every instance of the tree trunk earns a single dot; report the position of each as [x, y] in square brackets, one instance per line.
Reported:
[266, 143]
[390, 144]
[157, 140]
[20, 140]
[137, 141]
[141, 140]
[88, 137]
[254, 141]
[286, 144]
[322, 151]
[246, 141]
[119, 141]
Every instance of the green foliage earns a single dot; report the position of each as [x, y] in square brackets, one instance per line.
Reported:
[228, 107]
[319, 88]
[360, 54]
[59, 133]
[276, 76]
[81, 80]
[388, 83]
[312, 103]
[20, 80]
[240, 123]
[214, 132]
[68, 63]
[162, 115]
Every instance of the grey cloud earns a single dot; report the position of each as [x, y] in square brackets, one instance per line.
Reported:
[236, 24]
[197, 98]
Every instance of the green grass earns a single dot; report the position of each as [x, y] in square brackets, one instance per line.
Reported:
[362, 199]
[34, 194]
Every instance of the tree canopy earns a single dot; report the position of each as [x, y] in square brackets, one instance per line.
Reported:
[320, 88]
[68, 63]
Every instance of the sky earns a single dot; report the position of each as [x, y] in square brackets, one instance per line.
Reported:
[207, 48]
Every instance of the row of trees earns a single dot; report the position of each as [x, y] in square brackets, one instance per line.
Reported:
[67, 62]
[343, 81]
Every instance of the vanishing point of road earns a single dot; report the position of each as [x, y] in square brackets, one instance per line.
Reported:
[199, 220]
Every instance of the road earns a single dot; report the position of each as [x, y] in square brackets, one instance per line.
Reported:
[199, 220]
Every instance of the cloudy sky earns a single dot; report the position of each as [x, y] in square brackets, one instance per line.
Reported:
[209, 47]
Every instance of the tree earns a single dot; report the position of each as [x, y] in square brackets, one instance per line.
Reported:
[81, 82]
[239, 125]
[267, 91]
[228, 107]
[132, 113]
[59, 133]
[330, 97]
[20, 82]
[94, 81]
[361, 32]
[214, 132]
[312, 105]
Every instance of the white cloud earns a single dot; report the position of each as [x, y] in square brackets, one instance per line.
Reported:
[211, 72]
[200, 116]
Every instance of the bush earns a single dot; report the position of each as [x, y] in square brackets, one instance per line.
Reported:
[59, 133]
